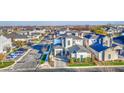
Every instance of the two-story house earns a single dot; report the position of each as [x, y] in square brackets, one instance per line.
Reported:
[70, 45]
[5, 44]
[104, 49]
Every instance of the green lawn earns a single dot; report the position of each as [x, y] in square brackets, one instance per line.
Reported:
[5, 64]
[78, 62]
[38, 41]
[113, 63]
[43, 59]
[14, 50]
[83, 64]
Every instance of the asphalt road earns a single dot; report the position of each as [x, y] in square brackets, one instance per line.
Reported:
[109, 69]
[29, 62]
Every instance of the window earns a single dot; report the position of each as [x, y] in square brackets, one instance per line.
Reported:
[109, 56]
[81, 57]
[73, 42]
[68, 42]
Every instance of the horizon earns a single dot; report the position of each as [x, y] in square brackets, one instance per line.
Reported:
[56, 23]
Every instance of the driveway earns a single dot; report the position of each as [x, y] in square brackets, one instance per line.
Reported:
[60, 62]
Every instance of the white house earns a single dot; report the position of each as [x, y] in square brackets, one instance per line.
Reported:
[70, 45]
[5, 44]
[77, 51]
[17, 37]
[70, 40]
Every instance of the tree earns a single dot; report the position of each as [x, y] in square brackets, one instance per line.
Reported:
[78, 60]
[2, 56]
[85, 60]
[20, 43]
[98, 30]
[92, 58]
[71, 61]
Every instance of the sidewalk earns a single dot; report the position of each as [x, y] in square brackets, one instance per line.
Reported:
[11, 66]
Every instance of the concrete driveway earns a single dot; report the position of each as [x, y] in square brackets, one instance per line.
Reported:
[60, 61]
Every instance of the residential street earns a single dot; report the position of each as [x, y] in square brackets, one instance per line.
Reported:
[103, 69]
[29, 62]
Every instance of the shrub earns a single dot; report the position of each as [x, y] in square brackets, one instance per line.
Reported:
[78, 60]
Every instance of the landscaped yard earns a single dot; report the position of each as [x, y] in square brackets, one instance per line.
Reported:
[117, 62]
[43, 58]
[5, 64]
[81, 62]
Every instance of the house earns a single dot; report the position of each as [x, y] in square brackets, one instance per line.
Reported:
[104, 53]
[70, 40]
[122, 33]
[58, 50]
[31, 35]
[17, 37]
[34, 36]
[113, 29]
[78, 51]
[104, 49]
[70, 45]
[92, 38]
[75, 33]
[5, 44]
[120, 42]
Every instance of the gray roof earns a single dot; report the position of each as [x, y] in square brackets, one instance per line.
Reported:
[77, 48]
[58, 47]
[35, 34]
[15, 36]
[71, 36]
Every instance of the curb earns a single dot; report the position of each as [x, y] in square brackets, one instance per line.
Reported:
[16, 61]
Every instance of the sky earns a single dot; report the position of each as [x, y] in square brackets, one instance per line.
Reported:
[43, 23]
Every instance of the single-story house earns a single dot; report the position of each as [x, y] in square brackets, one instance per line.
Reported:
[78, 51]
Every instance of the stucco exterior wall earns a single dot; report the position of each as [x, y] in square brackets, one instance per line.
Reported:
[113, 53]
[66, 42]
[78, 42]
[58, 51]
[78, 55]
